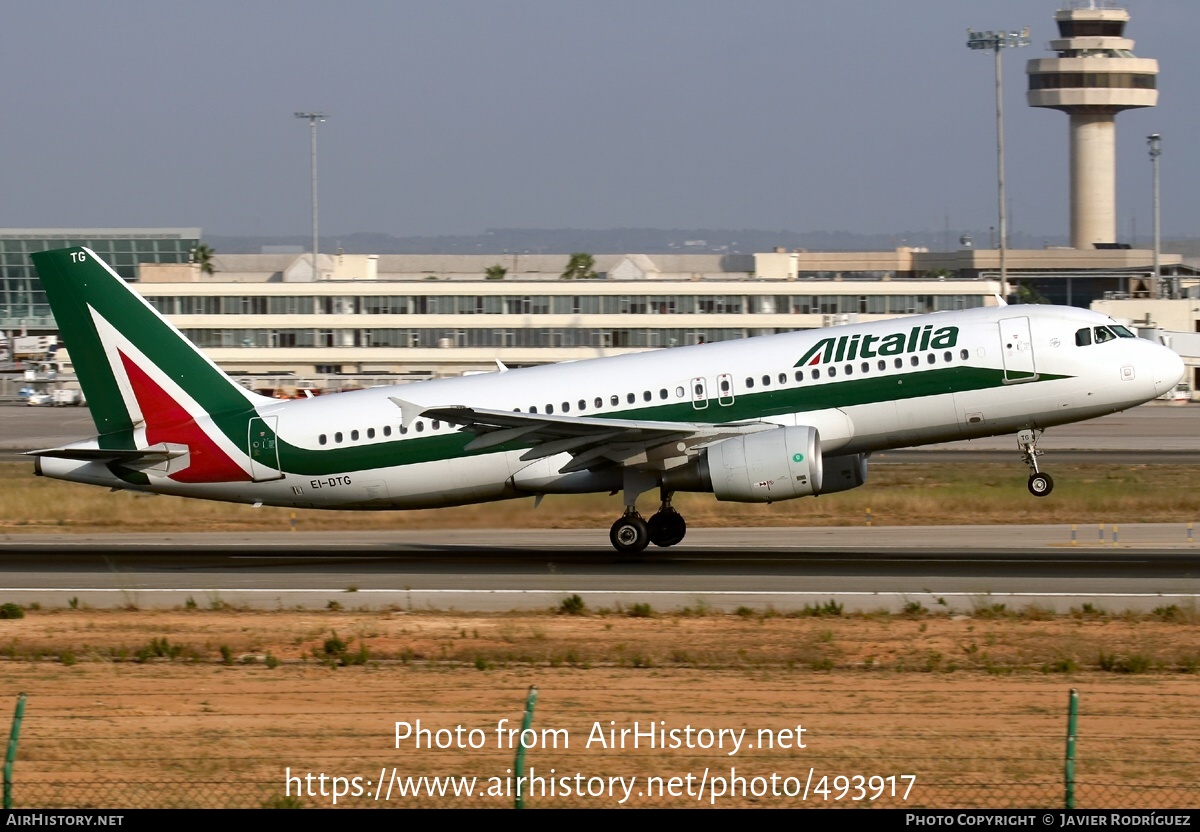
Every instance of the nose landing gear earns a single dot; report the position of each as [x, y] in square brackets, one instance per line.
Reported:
[1040, 484]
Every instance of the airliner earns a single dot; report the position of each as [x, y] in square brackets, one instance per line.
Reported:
[758, 420]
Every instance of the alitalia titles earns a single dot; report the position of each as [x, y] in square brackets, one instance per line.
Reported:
[850, 347]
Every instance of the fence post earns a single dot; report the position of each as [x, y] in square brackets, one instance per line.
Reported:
[519, 763]
[11, 756]
[1069, 766]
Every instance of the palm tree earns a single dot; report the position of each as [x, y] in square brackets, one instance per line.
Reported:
[202, 256]
[581, 266]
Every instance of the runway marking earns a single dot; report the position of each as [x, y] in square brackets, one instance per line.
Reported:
[663, 592]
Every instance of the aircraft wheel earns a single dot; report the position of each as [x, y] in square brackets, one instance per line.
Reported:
[1040, 485]
[629, 535]
[667, 528]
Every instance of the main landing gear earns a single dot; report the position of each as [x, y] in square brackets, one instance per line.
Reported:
[631, 534]
[1040, 484]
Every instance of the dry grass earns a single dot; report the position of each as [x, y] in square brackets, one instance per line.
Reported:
[994, 640]
[909, 494]
[969, 705]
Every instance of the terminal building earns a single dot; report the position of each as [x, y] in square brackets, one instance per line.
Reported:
[23, 303]
[423, 315]
[416, 316]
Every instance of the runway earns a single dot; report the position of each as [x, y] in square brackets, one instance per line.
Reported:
[955, 568]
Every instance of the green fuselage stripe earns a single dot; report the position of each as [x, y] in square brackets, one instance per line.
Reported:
[746, 406]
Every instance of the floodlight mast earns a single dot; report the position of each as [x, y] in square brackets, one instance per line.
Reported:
[313, 120]
[1155, 142]
[996, 41]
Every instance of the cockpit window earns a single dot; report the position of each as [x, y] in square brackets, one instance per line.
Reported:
[1103, 334]
[1083, 337]
[1121, 331]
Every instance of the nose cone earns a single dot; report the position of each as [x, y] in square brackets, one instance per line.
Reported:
[1167, 367]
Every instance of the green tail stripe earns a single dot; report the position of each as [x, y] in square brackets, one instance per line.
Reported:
[74, 280]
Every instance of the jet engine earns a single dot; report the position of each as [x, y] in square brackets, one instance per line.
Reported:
[778, 464]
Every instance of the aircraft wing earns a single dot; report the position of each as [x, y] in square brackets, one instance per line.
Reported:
[592, 442]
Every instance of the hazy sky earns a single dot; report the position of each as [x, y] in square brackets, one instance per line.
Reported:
[452, 116]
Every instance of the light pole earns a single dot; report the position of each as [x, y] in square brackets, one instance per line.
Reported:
[1155, 142]
[996, 41]
[313, 120]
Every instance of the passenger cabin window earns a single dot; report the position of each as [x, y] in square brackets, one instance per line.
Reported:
[321, 439]
[749, 383]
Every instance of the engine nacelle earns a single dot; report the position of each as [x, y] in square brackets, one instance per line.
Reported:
[778, 464]
[841, 473]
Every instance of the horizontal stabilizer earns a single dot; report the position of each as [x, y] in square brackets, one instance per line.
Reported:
[156, 453]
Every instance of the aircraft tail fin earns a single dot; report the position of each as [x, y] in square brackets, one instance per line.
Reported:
[136, 369]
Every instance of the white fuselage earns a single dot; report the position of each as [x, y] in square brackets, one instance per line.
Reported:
[1007, 369]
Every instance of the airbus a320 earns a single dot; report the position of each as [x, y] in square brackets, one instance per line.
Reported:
[758, 420]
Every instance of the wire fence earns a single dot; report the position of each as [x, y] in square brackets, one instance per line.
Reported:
[118, 738]
[270, 794]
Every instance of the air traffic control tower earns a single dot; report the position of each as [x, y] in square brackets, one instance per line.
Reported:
[1094, 77]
